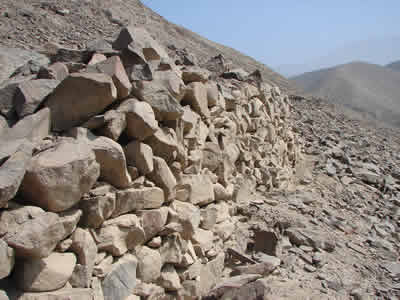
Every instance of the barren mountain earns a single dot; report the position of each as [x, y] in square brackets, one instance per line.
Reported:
[30, 24]
[394, 65]
[364, 87]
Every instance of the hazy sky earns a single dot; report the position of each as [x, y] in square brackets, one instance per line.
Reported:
[285, 31]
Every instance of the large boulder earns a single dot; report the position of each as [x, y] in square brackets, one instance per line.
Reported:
[153, 221]
[36, 237]
[121, 281]
[79, 97]
[111, 157]
[199, 188]
[149, 264]
[34, 127]
[188, 215]
[12, 172]
[30, 95]
[166, 107]
[140, 42]
[140, 119]
[60, 175]
[164, 144]
[97, 209]
[114, 68]
[44, 274]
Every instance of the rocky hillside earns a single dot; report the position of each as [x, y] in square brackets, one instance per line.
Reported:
[125, 175]
[394, 66]
[30, 24]
[363, 87]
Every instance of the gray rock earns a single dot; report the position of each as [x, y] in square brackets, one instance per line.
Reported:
[121, 281]
[7, 259]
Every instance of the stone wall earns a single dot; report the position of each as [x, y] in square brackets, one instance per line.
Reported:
[122, 168]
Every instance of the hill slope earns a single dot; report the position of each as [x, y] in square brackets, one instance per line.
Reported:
[394, 65]
[364, 87]
[72, 23]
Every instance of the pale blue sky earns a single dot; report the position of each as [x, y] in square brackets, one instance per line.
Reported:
[286, 31]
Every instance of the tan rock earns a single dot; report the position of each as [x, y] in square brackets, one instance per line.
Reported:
[36, 237]
[190, 120]
[166, 107]
[149, 264]
[30, 95]
[61, 175]
[57, 71]
[195, 74]
[85, 248]
[69, 219]
[172, 82]
[79, 97]
[97, 209]
[7, 259]
[136, 199]
[44, 274]
[169, 278]
[196, 96]
[188, 216]
[164, 144]
[153, 221]
[115, 124]
[119, 235]
[97, 58]
[140, 155]
[114, 68]
[172, 249]
[209, 217]
[163, 177]
[264, 268]
[232, 283]
[211, 273]
[203, 238]
[140, 119]
[139, 41]
[12, 172]
[111, 158]
[225, 229]
[13, 217]
[34, 127]
[199, 187]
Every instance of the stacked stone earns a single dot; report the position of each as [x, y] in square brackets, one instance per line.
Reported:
[119, 175]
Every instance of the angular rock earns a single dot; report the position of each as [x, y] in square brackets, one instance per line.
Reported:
[166, 107]
[212, 94]
[111, 157]
[85, 248]
[169, 278]
[172, 82]
[79, 97]
[119, 235]
[266, 241]
[121, 281]
[195, 74]
[203, 238]
[12, 172]
[140, 119]
[137, 199]
[163, 177]
[33, 127]
[153, 221]
[234, 282]
[60, 175]
[188, 216]
[44, 274]
[31, 94]
[57, 71]
[115, 124]
[12, 218]
[37, 237]
[211, 273]
[140, 155]
[139, 41]
[97, 209]
[196, 96]
[114, 68]
[69, 219]
[263, 268]
[164, 144]
[200, 188]
[149, 264]
[7, 259]
[172, 249]
[255, 290]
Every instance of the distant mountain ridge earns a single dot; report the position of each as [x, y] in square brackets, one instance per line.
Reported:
[361, 86]
[394, 65]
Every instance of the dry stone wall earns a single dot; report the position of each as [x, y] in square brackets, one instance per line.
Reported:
[121, 169]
